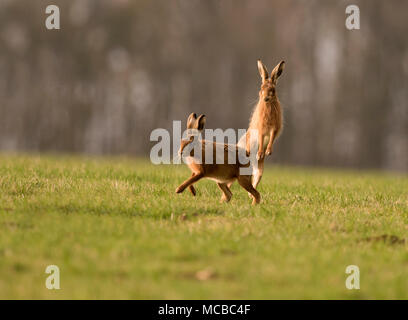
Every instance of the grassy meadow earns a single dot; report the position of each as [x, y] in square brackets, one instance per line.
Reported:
[117, 230]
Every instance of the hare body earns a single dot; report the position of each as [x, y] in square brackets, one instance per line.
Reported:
[266, 120]
[215, 169]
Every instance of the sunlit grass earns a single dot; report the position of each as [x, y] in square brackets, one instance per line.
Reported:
[116, 229]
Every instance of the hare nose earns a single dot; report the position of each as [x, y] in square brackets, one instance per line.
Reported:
[266, 99]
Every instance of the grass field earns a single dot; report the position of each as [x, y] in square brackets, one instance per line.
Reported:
[116, 229]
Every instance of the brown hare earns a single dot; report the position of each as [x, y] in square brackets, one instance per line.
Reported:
[222, 173]
[266, 120]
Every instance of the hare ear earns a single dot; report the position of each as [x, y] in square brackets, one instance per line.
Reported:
[201, 122]
[262, 71]
[277, 71]
[191, 120]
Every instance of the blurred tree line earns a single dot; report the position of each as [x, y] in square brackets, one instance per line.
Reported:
[117, 69]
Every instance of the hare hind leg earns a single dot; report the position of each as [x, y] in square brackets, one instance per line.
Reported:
[194, 178]
[245, 182]
[257, 174]
[227, 194]
[192, 190]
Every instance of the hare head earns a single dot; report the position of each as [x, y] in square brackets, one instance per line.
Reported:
[268, 87]
[195, 126]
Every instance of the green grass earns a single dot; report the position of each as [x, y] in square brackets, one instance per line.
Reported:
[116, 229]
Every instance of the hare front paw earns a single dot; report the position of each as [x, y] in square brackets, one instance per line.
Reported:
[260, 155]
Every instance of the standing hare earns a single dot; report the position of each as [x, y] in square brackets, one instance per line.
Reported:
[266, 120]
[220, 171]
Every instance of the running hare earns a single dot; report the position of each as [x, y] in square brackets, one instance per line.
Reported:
[221, 172]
